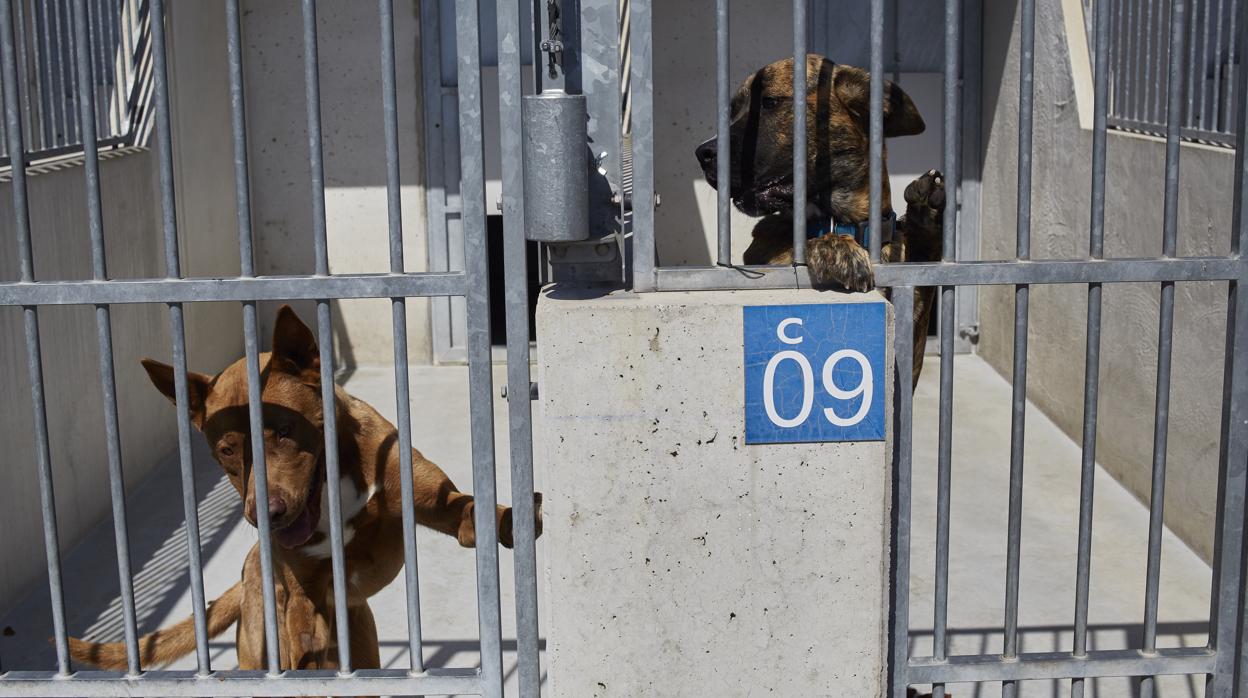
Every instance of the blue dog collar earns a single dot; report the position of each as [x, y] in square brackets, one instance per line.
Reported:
[818, 227]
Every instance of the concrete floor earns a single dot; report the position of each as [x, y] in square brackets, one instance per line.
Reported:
[440, 430]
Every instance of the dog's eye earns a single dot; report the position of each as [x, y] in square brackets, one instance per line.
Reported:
[226, 451]
[772, 102]
[283, 431]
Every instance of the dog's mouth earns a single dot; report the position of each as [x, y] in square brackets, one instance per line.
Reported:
[772, 196]
[298, 531]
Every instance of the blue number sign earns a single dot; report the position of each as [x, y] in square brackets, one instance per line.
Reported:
[814, 373]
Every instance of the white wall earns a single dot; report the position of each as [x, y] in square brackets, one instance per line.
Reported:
[349, 36]
[1060, 221]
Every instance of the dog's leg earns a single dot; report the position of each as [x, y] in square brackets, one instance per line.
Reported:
[249, 637]
[441, 506]
[365, 653]
[922, 229]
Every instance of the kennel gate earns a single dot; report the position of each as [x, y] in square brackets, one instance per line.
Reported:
[1225, 660]
[472, 284]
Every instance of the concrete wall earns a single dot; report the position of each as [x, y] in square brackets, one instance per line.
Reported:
[679, 557]
[1060, 221]
[349, 36]
[134, 247]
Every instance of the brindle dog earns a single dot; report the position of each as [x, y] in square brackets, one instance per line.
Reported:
[838, 185]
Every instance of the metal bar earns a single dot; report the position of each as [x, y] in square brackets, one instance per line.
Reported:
[1204, 62]
[960, 273]
[516, 298]
[67, 132]
[1018, 401]
[723, 148]
[1060, 665]
[1227, 589]
[642, 82]
[1092, 357]
[30, 319]
[903, 308]
[875, 158]
[1170, 224]
[398, 311]
[157, 684]
[177, 332]
[243, 288]
[108, 384]
[480, 382]
[948, 313]
[799, 132]
[263, 525]
[1145, 39]
[325, 337]
[250, 330]
[1218, 124]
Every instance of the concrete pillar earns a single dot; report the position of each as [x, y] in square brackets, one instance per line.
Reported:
[681, 561]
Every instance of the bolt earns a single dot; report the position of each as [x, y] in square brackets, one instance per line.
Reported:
[499, 204]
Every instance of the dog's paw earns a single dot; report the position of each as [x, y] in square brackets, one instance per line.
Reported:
[837, 260]
[506, 523]
[925, 196]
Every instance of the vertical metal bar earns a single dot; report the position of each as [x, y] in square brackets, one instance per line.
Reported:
[177, 331]
[723, 149]
[1147, 87]
[23, 75]
[1227, 592]
[242, 197]
[799, 132]
[875, 158]
[325, 337]
[95, 220]
[1121, 71]
[516, 296]
[1018, 403]
[1192, 113]
[643, 144]
[480, 382]
[30, 318]
[903, 306]
[1170, 223]
[948, 313]
[1092, 358]
[1204, 65]
[1217, 123]
[398, 311]
[1132, 39]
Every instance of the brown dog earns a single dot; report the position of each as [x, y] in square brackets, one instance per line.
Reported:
[371, 510]
[837, 181]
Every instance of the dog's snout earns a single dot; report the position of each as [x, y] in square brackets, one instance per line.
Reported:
[706, 155]
[277, 507]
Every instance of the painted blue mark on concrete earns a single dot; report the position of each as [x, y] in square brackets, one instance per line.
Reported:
[814, 372]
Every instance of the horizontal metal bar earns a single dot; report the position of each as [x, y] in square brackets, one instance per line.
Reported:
[396, 682]
[964, 273]
[260, 288]
[1060, 665]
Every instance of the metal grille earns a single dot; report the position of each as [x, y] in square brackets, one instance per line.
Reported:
[1140, 57]
[472, 284]
[1218, 660]
[120, 81]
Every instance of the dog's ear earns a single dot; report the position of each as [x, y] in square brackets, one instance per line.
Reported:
[197, 387]
[853, 88]
[294, 346]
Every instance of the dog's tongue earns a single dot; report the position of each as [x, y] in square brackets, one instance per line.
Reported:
[301, 529]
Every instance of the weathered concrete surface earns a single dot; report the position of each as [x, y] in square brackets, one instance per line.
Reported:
[683, 562]
[1060, 220]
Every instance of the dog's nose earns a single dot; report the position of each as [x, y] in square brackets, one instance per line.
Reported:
[706, 155]
[277, 507]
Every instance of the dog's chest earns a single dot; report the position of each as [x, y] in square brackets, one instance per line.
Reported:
[354, 500]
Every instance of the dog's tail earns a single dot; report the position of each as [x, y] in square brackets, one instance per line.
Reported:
[164, 645]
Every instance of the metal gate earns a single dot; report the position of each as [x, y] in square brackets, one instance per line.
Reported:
[472, 284]
[1223, 662]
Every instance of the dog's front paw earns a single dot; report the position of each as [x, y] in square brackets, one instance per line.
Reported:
[837, 260]
[925, 197]
[506, 525]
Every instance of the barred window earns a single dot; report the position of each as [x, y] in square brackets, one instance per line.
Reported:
[1139, 56]
[48, 79]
